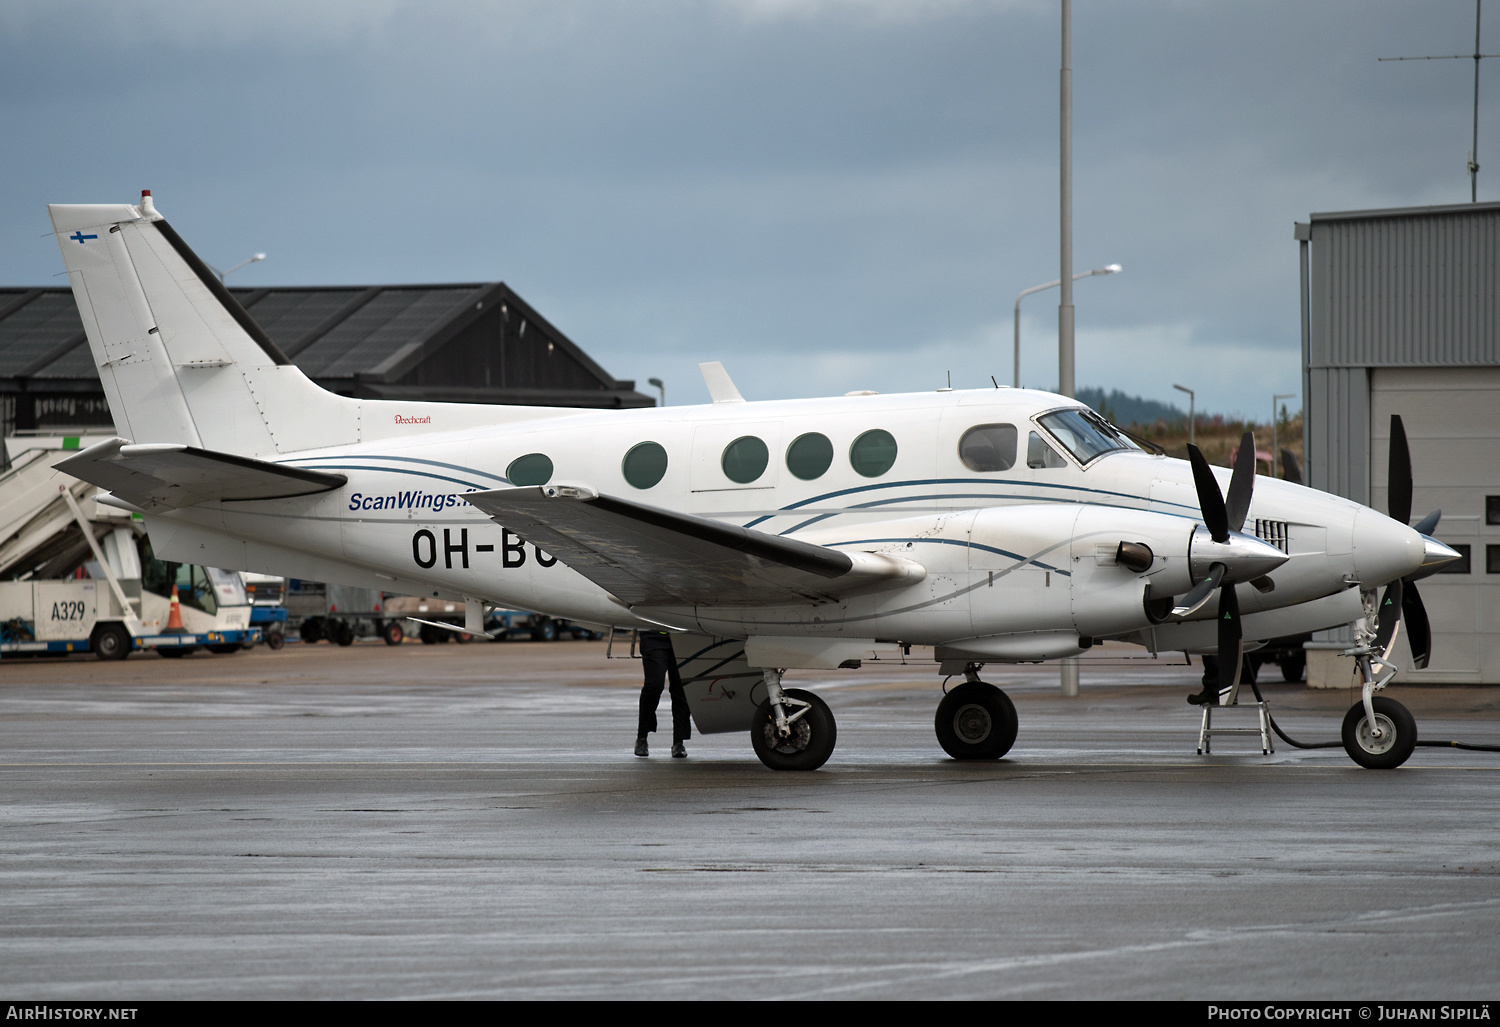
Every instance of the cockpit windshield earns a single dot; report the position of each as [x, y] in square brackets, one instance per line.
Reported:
[1084, 433]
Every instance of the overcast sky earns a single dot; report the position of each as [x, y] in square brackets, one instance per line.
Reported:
[826, 195]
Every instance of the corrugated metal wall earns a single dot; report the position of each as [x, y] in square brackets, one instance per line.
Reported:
[1418, 287]
[1338, 441]
[1403, 290]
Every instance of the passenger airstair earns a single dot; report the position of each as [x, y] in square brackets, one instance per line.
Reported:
[39, 536]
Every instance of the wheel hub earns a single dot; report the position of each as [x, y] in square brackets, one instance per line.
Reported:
[1367, 738]
[800, 737]
[973, 723]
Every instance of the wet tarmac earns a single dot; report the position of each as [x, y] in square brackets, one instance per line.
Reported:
[453, 821]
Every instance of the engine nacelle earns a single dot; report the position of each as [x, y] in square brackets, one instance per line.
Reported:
[1090, 583]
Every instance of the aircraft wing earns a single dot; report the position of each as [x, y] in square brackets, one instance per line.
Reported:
[648, 556]
[172, 475]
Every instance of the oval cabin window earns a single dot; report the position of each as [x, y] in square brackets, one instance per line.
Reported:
[644, 465]
[745, 459]
[531, 469]
[873, 453]
[809, 456]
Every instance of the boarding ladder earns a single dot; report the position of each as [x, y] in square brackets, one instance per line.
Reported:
[1231, 702]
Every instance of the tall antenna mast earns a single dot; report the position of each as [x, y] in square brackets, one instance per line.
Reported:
[1477, 57]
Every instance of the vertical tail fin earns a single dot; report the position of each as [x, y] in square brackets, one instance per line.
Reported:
[179, 358]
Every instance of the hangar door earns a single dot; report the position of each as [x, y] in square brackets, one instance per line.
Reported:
[1452, 420]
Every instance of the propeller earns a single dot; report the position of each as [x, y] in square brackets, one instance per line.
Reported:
[1224, 517]
[1402, 601]
[1289, 469]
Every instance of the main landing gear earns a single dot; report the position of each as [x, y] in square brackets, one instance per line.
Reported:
[976, 721]
[793, 729]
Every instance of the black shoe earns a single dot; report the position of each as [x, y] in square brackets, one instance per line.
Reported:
[640, 747]
[679, 751]
[1203, 698]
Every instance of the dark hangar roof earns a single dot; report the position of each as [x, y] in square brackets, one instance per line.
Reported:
[474, 342]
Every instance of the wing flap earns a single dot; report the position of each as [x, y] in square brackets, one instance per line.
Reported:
[169, 476]
[648, 556]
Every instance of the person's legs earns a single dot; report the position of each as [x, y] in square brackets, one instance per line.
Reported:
[682, 718]
[654, 666]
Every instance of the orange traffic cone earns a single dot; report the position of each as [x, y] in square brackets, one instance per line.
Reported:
[174, 618]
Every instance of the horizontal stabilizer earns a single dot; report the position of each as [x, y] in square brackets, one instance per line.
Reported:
[171, 475]
[648, 556]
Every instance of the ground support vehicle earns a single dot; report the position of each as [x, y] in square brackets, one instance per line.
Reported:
[339, 613]
[267, 594]
[271, 620]
[78, 616]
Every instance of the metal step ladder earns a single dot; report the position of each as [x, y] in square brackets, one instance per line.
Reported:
[1232, 702]
[1207, 731]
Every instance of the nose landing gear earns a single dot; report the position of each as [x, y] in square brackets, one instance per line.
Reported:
[1378, 733]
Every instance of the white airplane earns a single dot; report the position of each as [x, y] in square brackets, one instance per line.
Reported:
[997, 525]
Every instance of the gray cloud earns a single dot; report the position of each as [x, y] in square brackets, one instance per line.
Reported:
[825, 195]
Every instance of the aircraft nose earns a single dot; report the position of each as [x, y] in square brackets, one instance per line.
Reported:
[1385, 550]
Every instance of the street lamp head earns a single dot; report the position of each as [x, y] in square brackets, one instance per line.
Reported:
[1113, 269]
[257, 258]
[654, 381]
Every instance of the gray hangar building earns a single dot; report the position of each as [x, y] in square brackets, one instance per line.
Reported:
[1401, 315]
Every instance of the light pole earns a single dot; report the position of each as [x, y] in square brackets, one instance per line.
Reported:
[1275, 424]
[662, 388]
[1108, 269]
[1192, 415]
[1069, 676]
[254, 258]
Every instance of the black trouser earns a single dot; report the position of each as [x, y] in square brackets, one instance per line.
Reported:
[659, 664]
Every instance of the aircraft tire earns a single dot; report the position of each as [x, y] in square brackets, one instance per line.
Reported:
[813, 736]
[1384, 753]
[976, 721]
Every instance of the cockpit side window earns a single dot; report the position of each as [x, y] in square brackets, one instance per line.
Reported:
[1083, 433]
[1039, 454]
[988, 447]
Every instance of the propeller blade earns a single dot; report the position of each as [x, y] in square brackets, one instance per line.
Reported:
[1389, 617]
[1398, 478]
[1241, 485]
[1231, 654]
[1427, 525]
[1210, 499]
[1194, 600]
[1289, 469]
[1418, 631]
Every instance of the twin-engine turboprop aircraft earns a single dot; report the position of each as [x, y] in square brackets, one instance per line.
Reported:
[998, 526]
